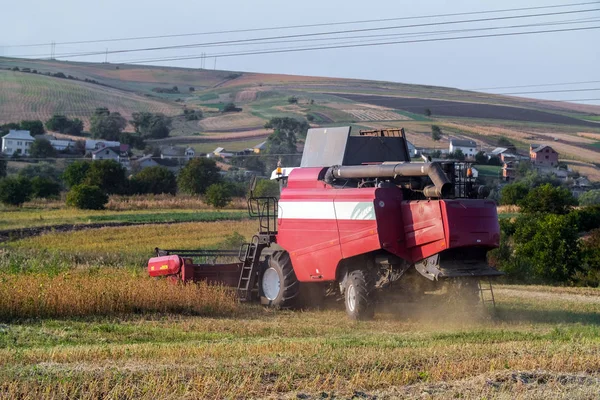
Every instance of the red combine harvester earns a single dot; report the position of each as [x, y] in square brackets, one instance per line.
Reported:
[357, 218]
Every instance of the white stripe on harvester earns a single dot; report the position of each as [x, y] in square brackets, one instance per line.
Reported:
[344, 210]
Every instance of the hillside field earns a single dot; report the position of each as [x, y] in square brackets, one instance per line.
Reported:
[572, 129]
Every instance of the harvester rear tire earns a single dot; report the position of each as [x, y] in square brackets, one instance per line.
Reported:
[278, 286]
[358, 295]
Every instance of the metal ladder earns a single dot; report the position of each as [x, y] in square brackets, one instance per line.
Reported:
[250, 262]
[485, 286]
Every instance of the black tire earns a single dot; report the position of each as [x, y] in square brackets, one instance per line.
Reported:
[285, 293]
[358, 295]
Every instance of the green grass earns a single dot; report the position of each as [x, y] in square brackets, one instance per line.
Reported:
[489, 171]
[43, 217]
[596, 145]
[208, 96]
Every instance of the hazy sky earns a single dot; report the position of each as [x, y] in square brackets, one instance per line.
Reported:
[474, 63]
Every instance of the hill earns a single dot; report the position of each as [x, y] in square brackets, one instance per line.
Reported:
[573, 128]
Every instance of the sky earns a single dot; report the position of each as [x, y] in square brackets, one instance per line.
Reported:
[467, 64]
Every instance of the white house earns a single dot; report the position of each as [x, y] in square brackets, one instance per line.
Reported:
[17, 142]
[174, 152]
[92, 145]
[468, 147]
[106, 153]
[62, 144]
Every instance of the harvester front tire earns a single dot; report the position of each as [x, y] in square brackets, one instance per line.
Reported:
[278, 286]
[358, 295]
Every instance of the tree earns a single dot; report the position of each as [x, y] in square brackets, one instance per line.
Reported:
[427, 112]
[590, 251]
[156, 180]
[546, 249]
[87, 197]
[15, 191]
[198, 175]
[75, 173]
[42, 169]
[45, 188]
[494, 160]
[505, 142]
[155, 126]
[266, 188]
[292, 100]
[3, 165]
[513, 193]
[35, 127]
[231, 107]
[108, 175]
[589, 198]
[436, 132]
[481, 158]
[62, 124]
[41, 148]
[283, 140]
[132, 139]
[457, 155]
[548, 199]
[107, 125]
[4, 129]
[217, 195]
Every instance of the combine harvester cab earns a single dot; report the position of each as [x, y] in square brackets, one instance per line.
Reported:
[359, 219]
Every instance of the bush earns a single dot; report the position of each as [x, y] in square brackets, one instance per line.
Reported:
[75, 173]
[217, 195]
[231, 107]
[590, 252]
[588, 218]
[266, 188]
[292, 100]
[15, 191]
[156, 180]
[513, 193]
[590, 198]
[546, 250]
[108, 175]
[548, 199]
[3, 165]
[41, 148]
[436, 132]
[198, 175]
[45, 188]
[87, 197]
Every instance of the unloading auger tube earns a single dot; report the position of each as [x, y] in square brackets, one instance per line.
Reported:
[441, 184]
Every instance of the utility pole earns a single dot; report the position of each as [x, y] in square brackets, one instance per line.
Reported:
[106, 56]
[215, 67]
[52, 49]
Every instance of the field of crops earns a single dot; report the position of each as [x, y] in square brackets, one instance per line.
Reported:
[31, 96]
[79, 318]
[469, 110]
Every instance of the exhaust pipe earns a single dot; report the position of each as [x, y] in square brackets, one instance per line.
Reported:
[441, 184]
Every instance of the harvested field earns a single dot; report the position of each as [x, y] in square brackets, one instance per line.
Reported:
[232, 122]
[468, 110]
[541, 344]
[589, 135]
[375, 115]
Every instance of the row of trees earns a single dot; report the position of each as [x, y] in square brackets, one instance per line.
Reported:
[84, 179]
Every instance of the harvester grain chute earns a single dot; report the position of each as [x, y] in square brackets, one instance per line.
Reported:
[357, 218]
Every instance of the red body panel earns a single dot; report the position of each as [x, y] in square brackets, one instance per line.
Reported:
[320, 225]
[166, 265]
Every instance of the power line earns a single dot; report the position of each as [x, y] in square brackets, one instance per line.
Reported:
[551, 91]
[290, 50]
[537, 85]
[405, 34]
[315, 34]
[306, 25]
